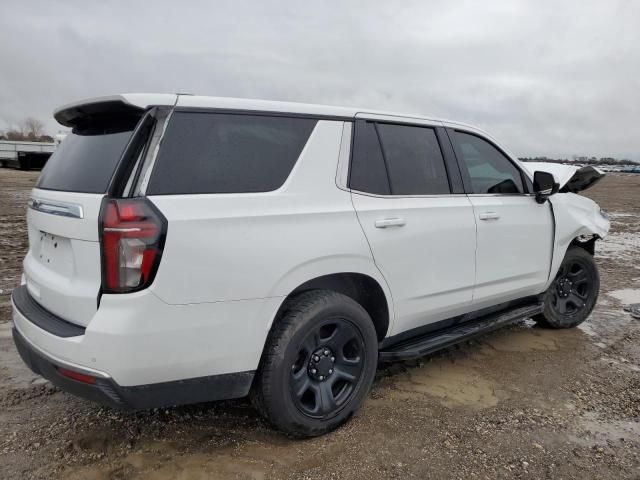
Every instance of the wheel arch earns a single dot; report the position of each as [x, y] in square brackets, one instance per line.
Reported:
[586, 242]
[372, 293]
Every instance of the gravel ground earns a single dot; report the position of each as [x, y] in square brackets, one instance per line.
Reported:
[522, 402]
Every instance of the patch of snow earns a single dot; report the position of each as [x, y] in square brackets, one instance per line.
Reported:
[626, 295]
[620, 215]
[623, 245]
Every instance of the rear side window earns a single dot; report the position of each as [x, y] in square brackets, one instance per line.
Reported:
[227, 153]
[87, 158]
[390, 159]
[416, 165]
[368, 172]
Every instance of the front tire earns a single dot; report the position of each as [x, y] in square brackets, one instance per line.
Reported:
[574, 292]
[318, 365]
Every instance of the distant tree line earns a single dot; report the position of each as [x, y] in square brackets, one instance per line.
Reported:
[582, 160]
[29, 130]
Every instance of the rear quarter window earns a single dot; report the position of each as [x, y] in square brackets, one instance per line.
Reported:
[227, 153]
[87, 158]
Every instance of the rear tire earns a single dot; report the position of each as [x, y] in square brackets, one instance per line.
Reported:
[574, 292]
[318, 365]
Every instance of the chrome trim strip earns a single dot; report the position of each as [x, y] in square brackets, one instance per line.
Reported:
[342, 176]
[122, 230]
[393, 197]
[62, 209]
[152, 153]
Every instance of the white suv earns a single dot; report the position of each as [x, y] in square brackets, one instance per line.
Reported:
[186, 249]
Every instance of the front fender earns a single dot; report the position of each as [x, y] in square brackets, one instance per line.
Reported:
[574, 216]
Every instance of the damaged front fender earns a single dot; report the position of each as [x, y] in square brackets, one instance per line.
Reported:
[576, 217]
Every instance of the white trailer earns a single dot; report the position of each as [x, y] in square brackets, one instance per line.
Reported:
[25, 155]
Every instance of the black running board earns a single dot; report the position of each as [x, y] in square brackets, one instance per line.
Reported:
[425, 344]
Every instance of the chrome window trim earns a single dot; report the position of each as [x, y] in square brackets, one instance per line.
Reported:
[344, 157]
[398, 119]
[391, 197]
[61, 209]
[501, 194]
[152, 154]
[442, 195]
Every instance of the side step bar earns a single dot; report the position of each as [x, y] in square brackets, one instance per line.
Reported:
[425, 344]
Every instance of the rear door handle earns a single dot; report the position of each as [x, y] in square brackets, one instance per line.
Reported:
[489, 216]
[390, 222]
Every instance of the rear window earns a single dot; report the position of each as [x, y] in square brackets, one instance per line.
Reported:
[86, 158]
[227, 153]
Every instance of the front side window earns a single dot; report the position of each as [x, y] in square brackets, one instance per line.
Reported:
[489, 169]
[205, 152]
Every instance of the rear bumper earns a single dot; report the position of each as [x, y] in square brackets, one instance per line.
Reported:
[145, 359]
[107, 392]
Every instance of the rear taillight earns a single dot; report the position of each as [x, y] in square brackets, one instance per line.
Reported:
[132, 234]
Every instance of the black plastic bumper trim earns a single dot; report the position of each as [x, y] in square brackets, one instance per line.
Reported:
[141, 397]
[42, 317]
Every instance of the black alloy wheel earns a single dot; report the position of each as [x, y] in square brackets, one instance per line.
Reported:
[318, 364]
[571, 288]
[573, 293]
[327, 369]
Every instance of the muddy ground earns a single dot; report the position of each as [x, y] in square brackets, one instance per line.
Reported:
[519, 403]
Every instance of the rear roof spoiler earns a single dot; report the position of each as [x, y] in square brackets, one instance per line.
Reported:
[73, 114]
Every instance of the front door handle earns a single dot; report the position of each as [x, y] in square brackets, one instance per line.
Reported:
[390, 222]
[489, 216]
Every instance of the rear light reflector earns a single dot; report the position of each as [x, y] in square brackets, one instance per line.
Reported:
[132, 234]
[77, 376]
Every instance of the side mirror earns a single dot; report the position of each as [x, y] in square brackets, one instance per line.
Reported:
[544, 185]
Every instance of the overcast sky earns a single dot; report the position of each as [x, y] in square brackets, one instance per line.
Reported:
[555, 78]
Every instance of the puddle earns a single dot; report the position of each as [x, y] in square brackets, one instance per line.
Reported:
[252, 461]
[598, 432]
[621, 363]
[453, 384]
[626, 296]
[199, 466]
[528, 340]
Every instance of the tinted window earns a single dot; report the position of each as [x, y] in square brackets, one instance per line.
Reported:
[489, 169]
[87, 158]
[226, 153]
[416, 165]
[368, 173]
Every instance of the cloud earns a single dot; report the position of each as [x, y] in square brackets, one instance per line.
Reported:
[546, 78]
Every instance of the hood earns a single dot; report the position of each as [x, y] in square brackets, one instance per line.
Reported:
[571, 179]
